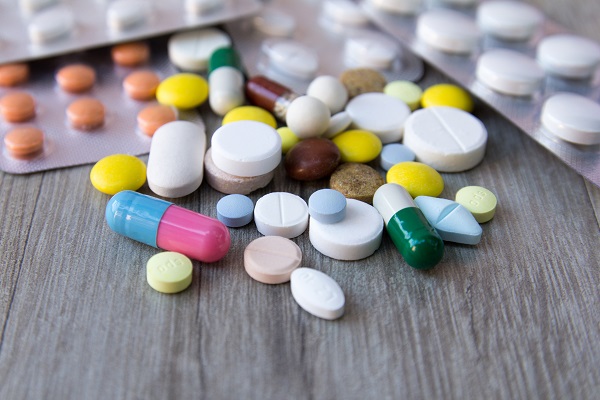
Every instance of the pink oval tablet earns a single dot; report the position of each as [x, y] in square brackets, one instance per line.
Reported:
[272, 259]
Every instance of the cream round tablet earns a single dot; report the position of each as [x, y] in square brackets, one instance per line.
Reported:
[272, 259]
[274, 23]
[370, 51]
[398, 6]
[317, 293]
[446, 138]
[191, 50]
[448, 31]
[509, 72]
[568, 56]
[330, 90]
[573, 118]
[344, 12]
[307, 117]
[281, 214]
[50, 24]
[291, 58]
[509, 20]
[123, 14]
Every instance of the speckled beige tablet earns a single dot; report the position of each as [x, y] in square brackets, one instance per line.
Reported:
[272, 259]
[86, 114]
[76, 78]
[24, 141]
[362, 80]
[13, 74]
[356, 181]
[17, 107]
[153, 117]
[141, 85]
[130, 54]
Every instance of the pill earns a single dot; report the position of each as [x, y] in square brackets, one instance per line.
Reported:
[17, 107]
[183, 90]
[24, 141]
[573, 118]
[76, 78]
[459, 3]
[118, 172]
[380, 114]
[272, 259]
[446, 138]
[394, 153]
[344, 12]
[509, 72]
[307, 117]
[235, 210]
[176, 159]
[355, 237]
[480, 201]
[202, 7]
[13, 74]
[397, 6]
[568, 56]
[130, 54]
[358, 145]
[337, 123]
[246, 148]
[417, 178]
[416, 240]
[270, 95]
[312, 159]
[274, 22]
[448, 31]
[362, 80]
[356, 181]
[32, 6]
[50, 24]
[152, 117]
[453, 222]
[409, 92]
[281, 214]
[86, 114]
[330, 91]
[317, 293]
[225, 81]
[125, 14]
[141, 85]
[191, 50]
[169, 272]
[445, 94]
[288, 138]
[327, 206]
[163, 225]
[249, 113]
[509, 20]
[370, 50]
[291, 58]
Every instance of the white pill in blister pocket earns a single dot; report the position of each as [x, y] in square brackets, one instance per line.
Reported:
[123, 14]
[509, 20]
[192, 50]
[317, 293]
[200, 7]
[51, 24]
[291, 58]
[32, 6]
[573, 118]
[275, 23]
[448, 31]
[569, 56]
[370, 52]
[509, 72]
[398, 6]
[344, 12]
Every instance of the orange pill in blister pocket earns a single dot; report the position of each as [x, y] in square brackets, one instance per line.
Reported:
[86, 113]
[153, 117]
[17, 107]
[76, 78]
[141, 85]
[130, 54]
[24, 141]
[13, 74]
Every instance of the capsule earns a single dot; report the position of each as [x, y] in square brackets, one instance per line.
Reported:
[225, 80]
[414, 237]
[270, 95]
[164, 225]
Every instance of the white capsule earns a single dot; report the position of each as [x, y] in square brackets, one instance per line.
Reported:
[226, 89]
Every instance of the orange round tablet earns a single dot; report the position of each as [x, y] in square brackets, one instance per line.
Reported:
[86, 114]
[76, 78]
[17, 107]
[24, 141]
[13, 74]
[153, 117]
[141, 85]
[130, 54]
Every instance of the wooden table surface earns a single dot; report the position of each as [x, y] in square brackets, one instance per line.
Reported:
[515, 317]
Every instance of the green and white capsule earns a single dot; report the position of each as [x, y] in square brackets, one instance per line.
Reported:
[414, 237]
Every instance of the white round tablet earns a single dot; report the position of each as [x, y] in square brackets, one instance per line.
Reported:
[307, 117]
[191, 50]
[573, 118]
[344, 12]
[446, 138]
[509, 20]
[376, 52]
[330, 90]
[398, 6]
[448, 31]
[291, 58]
[246, 148]
[274, 23]
[281, 214]
[355, 237]
[317, 293]
[380, 114]
[568, 56]
[337, 124]
[123, 14]
[509, 72]
[201, 7]
[51, 24]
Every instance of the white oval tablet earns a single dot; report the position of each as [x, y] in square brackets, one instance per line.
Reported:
[344, 12]
[51, 24]
[509, 20]
[317, 293]
[448, 31]
[123, 14]
[573, 118]
[307, 117]
[568, 56]
[291, 58]
[281, 214]
[355, 237]
[330, 90]
[275, 23]
[246, 148]
[370, 52]
[380, 114]
[398, 6]
[201, 7]
[509, 72]
[176, 160]
[192, 50]
[337, 124]
[447, 139]
[272, 259]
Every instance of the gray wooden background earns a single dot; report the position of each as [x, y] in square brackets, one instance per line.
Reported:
[515, 317]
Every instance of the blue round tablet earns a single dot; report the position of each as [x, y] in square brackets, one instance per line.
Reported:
[235, 210]
[394, 153]
[327, 206]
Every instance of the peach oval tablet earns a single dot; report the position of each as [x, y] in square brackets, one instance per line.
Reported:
[153, 117]
[76, 78]
[17, 107]
[272, 259]
[141, 85]
[130, 54]
[24, 141]
[86, 114]
[13, 74]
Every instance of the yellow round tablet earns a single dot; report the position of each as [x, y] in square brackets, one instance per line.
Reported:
[479, 200]
[184, 90]
[407, 91]
[445, 94]
[417, 178]
[250, 113]
[118, 172]
[288, 139]
[358, 145]
[169, 272]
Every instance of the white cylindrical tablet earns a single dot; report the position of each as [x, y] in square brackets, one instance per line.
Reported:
[509, 72]
[337, 124]
[394, 153]
[509, 20]
[330, 90]
[225, 89]
[373, 51]
[317, 293]
[191, 50]
[380, 114]
[344, 12]
[246, 148]
[275, 23]
[568, 56]
[235, 210]
[448, 31]
[355, 237]
[398, 6]
[327, 206]
[50, 24]
[123, 14]
[573, 118]
[307, 117]
[281, 214]
[272, 259]
[446, 138]
[291, 58]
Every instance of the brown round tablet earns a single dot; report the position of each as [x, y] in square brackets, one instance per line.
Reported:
[24, 141]
[76, 78]
[141, 85]
[13, 74]
[356, 181]
[130, 54]
[362, 80]
[153, 117]
[312, 159]
[86, 114]
[17, 107]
